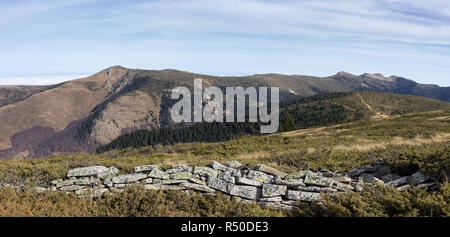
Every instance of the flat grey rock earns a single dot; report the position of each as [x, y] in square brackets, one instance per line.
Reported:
[251, 182]
[272, 190]
[86, 171]
[303, 196]
[145, 168]
[205, 171]
[128, 178]
[248, 192]
[158, 174]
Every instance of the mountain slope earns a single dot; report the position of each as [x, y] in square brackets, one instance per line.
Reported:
[319, 110]
[83, 114]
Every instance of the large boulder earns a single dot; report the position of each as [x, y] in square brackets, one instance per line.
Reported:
[86, 171]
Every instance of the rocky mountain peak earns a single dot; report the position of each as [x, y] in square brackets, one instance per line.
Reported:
[377, 76]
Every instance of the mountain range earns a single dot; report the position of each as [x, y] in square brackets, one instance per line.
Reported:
[84, 114]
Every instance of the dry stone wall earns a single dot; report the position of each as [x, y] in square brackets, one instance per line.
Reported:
[264, 185]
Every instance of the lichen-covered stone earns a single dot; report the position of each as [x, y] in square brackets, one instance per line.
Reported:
[108, 182]
[292, 183]
[226, 177]
[397, 182]
[298, 175]
[315, 180]
[316, 189]
[128, 178]
[234, 164]
[289, 202]
[197, 181]
[217, 166]
[343, 179]
[302, 196]
[224, 169]
[64, 183]
[158, 174]
[88, 181]
[416, 178]
[272, 190]
[147, 181]
[342, 186]
[217, 184]
[198, 187]
[251, 182]
[145, 168]
[205, 171]
[270, 170]
[72, 188]
[390, 177]
[259, 176]
[86, 171]
[110, 173]
[248, 192]
[181, 175]
[180, 168]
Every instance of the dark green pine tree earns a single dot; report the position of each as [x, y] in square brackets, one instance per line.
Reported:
[289, 123]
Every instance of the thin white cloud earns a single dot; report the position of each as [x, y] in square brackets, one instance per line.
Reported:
[372, 19]
[39, 80]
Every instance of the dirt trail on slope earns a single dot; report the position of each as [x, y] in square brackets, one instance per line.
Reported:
[377, 115]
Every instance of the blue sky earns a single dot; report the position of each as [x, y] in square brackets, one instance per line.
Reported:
[47, 41]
